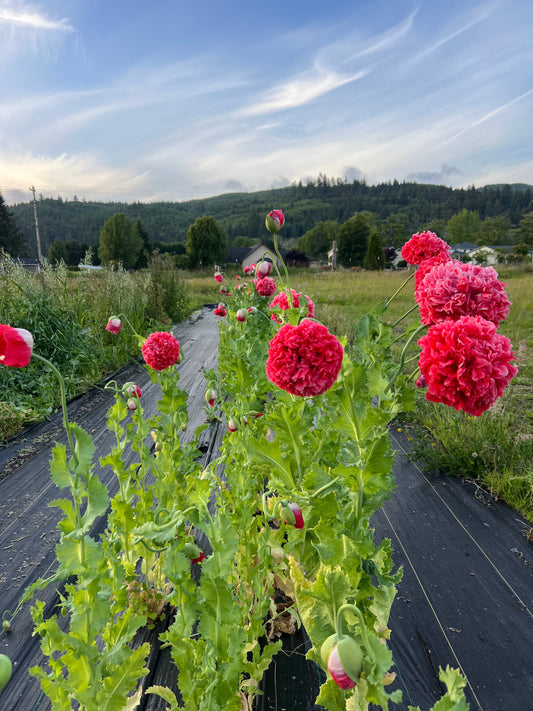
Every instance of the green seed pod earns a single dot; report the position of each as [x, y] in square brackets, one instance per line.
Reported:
[6, 668]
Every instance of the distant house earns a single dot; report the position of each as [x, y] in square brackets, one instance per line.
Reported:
[30, 264]
[245, 256]
[462, 249]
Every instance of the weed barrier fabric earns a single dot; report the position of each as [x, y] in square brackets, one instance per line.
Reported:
[466, 597]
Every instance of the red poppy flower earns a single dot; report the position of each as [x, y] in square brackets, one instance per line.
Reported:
[220, 310]
[304, 360]
[266, 286]
[466, 364]
[16, 346]
[282, 300]
[454, 289]
[219, 277]
[423, 246]
[161, 350]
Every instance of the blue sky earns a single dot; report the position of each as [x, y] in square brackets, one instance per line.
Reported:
[172, 100]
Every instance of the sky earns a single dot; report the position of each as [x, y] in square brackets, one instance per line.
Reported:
[172, 100]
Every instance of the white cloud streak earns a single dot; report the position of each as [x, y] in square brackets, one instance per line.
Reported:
[28, 18]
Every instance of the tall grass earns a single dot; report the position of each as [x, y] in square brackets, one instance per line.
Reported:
[68, 327]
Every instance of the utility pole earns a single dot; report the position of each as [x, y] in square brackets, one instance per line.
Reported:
[39, 253]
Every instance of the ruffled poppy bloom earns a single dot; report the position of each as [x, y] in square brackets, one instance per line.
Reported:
[161, 350]
[282, 300]
[453, 289]
[275, 220]
[305, 359]
[16, 345]
[427, 265]
[466, 364]
[266, 286]
[250, 269]
[423, 246]
[114, 325]
[220, 310]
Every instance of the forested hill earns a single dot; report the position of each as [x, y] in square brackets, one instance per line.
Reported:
[242, 214]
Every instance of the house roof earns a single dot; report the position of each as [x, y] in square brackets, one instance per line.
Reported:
[463, 247]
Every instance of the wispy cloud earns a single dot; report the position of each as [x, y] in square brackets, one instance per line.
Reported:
[486, 117]
[30, 18]
[299, 91]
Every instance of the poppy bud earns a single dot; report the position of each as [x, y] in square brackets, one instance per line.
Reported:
[344, 660]
[263, 269]
[274, 221]
[114, 325]
[292, 514]
[240, 315]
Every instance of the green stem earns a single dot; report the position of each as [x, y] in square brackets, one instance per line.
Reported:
[402, 357]
[411, 276]
[406, 314]
[325, 487]
[63, 394]
[362, 624]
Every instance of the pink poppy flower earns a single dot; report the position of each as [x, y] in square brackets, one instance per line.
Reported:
[16, 345]
[453, 289]
[219, 277]
[282, 300]
[465, 364]
[304, 360]
[266, 287]
[427, 265]
[114, 325]
[220, 310]
[423, 246]
[161, 350]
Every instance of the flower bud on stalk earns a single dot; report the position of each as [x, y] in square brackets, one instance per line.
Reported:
[292, 514]
[344, 660]
[263, 269]
[274, 221]
[131, 389]
[241, 315]
[210, 397]
[193, 552]
[132, 405]
[114, 325]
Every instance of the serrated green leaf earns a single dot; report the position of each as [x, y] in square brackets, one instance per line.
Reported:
[166, 694]
[122, 680]
[59, 470]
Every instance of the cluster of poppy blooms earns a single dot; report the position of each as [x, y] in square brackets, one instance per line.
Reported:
[464, 362]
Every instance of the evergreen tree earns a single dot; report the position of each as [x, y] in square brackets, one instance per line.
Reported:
[375, 257]
[146, 249]
[352, 241]
[11, 238]
[206, 243]
[57, 252]
[119, 243]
